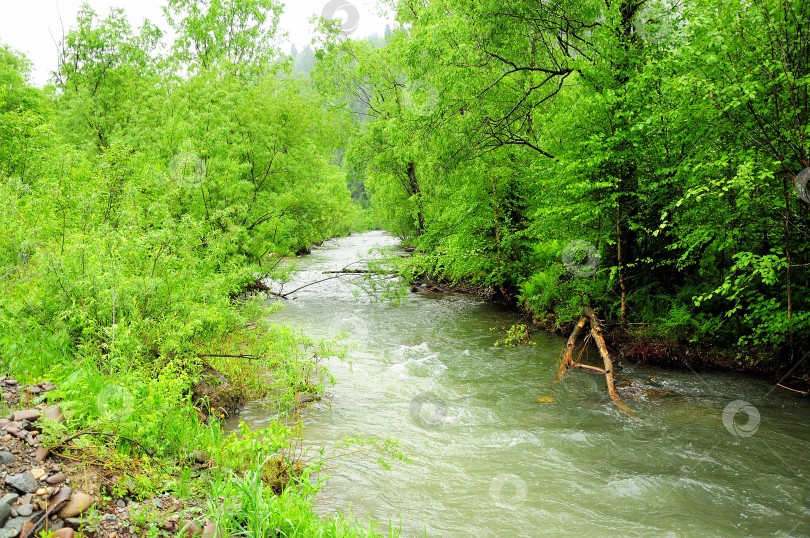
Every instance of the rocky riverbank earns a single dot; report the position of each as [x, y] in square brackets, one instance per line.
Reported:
[42, 492]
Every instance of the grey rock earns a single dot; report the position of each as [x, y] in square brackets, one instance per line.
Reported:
[25, 510]
[75, 522]
[17, 523]
[5, 512]
[7, 457]
[11, 381]
[9, 498]
[8, 533]
[33, 389]
[121, 503]
[158, 504]
[22, 482]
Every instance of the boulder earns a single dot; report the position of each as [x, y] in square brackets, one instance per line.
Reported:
[78, 504]
[31, 415]
[22, 482]
[214, 392]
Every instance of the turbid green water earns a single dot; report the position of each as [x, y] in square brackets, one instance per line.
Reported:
[489, 460]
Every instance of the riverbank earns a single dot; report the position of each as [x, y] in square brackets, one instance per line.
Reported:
[637, 347]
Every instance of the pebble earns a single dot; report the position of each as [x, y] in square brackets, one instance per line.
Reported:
[42, 491]
[25, 510]
[56, 479]
[40, 454]
[7, 457]
[37, 472]
[121, 503]
[11, 381]
[158, 504]
[67, 532]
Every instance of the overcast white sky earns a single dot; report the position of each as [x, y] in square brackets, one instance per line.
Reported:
[27, 25]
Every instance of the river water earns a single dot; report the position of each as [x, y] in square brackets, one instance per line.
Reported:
[718, 455]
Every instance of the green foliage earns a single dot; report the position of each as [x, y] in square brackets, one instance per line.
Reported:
[665, 136]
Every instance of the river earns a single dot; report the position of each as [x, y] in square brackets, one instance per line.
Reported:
[719, 455]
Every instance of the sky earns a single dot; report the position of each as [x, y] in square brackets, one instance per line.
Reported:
[30, 26]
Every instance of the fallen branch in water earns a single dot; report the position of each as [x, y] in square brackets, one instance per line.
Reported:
[598, 338]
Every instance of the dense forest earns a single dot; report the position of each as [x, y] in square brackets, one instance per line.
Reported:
[644, 158]
[641, 157]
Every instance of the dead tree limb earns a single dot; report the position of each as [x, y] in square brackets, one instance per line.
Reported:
[568, 357]
[596, 332]
[598, 338]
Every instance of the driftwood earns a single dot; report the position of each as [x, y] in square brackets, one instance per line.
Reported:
[359, 272]
[599, 339]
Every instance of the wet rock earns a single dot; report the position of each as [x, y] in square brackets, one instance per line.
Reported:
[58, 478]
[53, 413]
[7, 457]
[75, 523]
[59, 500]
[40, 454]
[17, 523]
[5, 512]
[78, 503]
[210, 530]
[22, 482]
[25, 510]
[213, 391]
[31, 415]
[190, 528]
